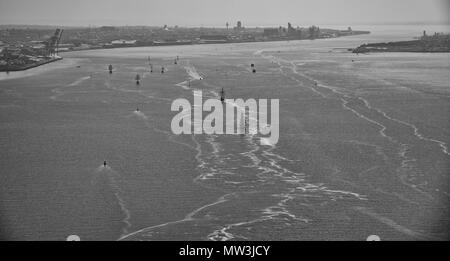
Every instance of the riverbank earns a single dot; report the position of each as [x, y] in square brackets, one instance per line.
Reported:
[434, 44]
[22, 59]
[329, 34]
[16, 68]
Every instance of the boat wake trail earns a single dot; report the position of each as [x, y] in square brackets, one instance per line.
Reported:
[112, 178]
[140, 115]
[361, 107]
[79, 81]
[58, 92]
[400, 136]
[416, 132]
[192, 72]
[193, 76]
[259, 189]
[263, 188]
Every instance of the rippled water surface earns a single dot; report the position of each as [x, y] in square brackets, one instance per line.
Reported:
[363, 145]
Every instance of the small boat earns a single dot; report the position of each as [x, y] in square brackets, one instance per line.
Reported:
[138, 79]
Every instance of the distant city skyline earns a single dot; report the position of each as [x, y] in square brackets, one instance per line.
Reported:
[218, 12]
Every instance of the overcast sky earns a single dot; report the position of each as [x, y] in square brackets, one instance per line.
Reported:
[218, 12]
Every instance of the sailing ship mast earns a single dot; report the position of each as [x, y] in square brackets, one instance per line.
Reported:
[222, 95]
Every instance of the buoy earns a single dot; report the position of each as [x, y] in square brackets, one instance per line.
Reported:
[104, 163]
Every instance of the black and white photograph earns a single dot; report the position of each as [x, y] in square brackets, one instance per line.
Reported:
[225, 120]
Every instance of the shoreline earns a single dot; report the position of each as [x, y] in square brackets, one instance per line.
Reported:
[210, 42]
[160, 44]
[33, 65]
[426, 44]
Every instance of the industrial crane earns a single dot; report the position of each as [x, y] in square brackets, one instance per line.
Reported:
[53, 43]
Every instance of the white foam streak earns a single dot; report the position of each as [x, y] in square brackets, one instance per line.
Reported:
[79, 81]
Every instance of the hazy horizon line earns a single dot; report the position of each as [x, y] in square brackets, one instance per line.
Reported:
[222, 26]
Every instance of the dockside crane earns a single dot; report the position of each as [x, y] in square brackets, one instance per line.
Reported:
[53, 43]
